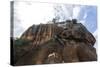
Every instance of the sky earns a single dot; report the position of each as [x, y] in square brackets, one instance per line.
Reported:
[29, 13]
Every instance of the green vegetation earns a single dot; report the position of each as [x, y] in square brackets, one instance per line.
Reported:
[21, 42]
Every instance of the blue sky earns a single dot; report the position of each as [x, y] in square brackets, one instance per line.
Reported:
[27, 14]
[91, 19]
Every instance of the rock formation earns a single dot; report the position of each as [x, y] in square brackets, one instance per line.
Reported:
[51, 43]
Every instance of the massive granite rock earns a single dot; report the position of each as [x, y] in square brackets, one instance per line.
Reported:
[53, 43]
[39, 34]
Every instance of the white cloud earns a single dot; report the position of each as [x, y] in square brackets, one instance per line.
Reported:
[68, 10]
[85, 16]
[83, 22]
[35, 13]
[76, 11]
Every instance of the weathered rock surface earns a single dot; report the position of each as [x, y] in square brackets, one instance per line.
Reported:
[40, 34]
[51, 43]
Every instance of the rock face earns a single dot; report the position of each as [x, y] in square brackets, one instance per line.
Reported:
[40, 34]
[51, 43]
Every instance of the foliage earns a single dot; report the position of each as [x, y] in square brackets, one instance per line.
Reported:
[21, 42]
